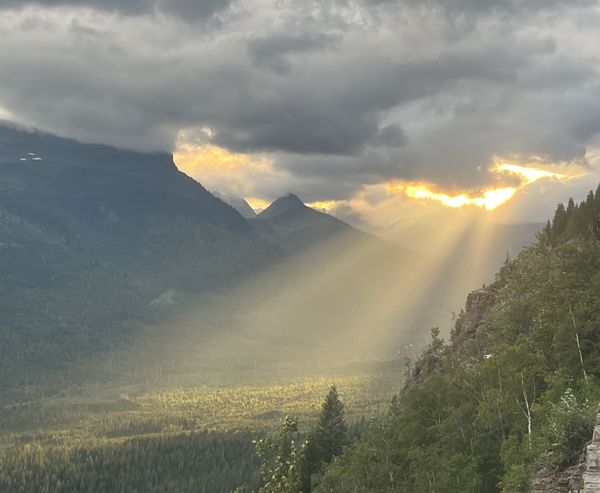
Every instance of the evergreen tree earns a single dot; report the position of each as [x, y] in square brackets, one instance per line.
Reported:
[332, 426]
[560, 221]
[326, 441]
[488, 422]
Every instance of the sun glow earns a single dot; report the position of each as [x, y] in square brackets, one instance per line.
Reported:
[256, 203]
[528, 175]
[191, 159]
[489, 199]
[325, 205]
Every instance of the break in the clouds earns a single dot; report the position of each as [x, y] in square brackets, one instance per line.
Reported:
[336, 95]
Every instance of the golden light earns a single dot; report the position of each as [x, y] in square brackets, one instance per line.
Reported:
[492, 197]
[325, 205]
[489, 199]
[218, 168]
[527, 174]
[191, 158]
[256, 203]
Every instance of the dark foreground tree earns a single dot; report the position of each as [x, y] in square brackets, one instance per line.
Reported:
[326, 441]
[332, 426]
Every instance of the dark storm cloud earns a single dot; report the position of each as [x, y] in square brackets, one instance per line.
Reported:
[390, 136]
[337, 95]
[187, 9]
[339, 112]
[273, 52]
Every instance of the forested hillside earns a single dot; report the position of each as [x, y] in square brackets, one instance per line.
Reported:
[94, 242]
[518, 395]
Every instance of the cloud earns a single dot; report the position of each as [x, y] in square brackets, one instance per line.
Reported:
[485, 7]
[338, 96]
[273, 51]
[186, 9]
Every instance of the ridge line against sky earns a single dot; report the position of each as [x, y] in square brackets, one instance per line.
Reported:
[333, 100]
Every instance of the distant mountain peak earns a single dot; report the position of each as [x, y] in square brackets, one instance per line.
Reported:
[290, 200]
[238, 203]
[292, 196]
[282, 205]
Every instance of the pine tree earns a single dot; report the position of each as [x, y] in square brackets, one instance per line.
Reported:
[560, 221]
[326, 441]
[332, 426]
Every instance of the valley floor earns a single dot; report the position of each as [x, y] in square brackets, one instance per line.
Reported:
[177, 438]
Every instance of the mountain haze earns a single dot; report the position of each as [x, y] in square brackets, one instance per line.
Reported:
[90, 235]
[293, 226]
[115, 256]
[238, 203]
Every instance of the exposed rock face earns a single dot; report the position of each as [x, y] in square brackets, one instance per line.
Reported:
[478, 303]
[583, 477]
[429, 364]
[568, 481]
[591, 476]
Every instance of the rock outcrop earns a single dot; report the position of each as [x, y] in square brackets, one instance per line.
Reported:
[431, 362]
[591, 476]
[568, 481]
[478, 304]
[583, 477]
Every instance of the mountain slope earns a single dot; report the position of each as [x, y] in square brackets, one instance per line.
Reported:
[238, 203]
[293, 226]
[136, 211]
[90, 235]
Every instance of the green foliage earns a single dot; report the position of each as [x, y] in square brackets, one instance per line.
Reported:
[332, 428]
[197, 462]
[576, 221]
[174, 441]
[490, 419]
[279, 460]
[570, 426]
[326, 441]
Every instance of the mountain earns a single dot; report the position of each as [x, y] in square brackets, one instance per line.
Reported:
[116, 265]
[238, 203]
[90, 235]
[293, 226]
[135, 211]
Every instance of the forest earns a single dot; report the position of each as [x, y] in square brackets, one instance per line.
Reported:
[482, 414]
[182, 439]
[520, 396]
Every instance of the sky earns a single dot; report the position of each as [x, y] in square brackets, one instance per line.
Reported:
[370, 109]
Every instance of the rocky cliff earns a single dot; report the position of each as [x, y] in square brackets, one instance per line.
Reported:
[591, 475]
[432, 361]
[583, 477]
[478, 304]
